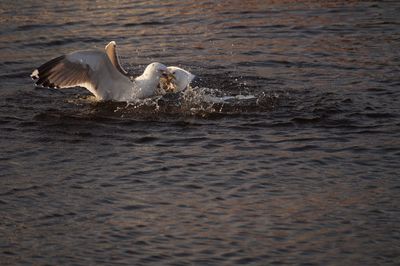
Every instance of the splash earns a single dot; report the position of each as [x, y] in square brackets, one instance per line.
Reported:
[199, 102]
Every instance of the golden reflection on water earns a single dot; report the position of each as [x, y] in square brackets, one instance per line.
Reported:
[280, 223]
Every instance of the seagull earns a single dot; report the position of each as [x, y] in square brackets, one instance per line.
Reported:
[180, 77]
[100, 72]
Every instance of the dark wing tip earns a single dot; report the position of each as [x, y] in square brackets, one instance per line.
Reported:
[42, 73]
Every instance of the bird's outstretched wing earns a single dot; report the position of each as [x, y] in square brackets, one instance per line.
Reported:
[91, 69]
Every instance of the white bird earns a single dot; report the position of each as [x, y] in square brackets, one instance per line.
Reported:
[102, 76]
[181, 77]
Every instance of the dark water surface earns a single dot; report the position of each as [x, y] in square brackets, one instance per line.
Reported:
[306, 173]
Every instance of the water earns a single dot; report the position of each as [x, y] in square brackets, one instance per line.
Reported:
[304, 173]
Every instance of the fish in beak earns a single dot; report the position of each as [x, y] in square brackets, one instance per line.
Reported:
[167, 81]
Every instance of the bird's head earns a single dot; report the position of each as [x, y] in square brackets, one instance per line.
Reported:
[182, 78]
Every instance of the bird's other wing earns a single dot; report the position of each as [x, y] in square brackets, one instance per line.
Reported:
[111, 51]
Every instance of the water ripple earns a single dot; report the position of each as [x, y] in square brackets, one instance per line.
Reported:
[286, 152]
